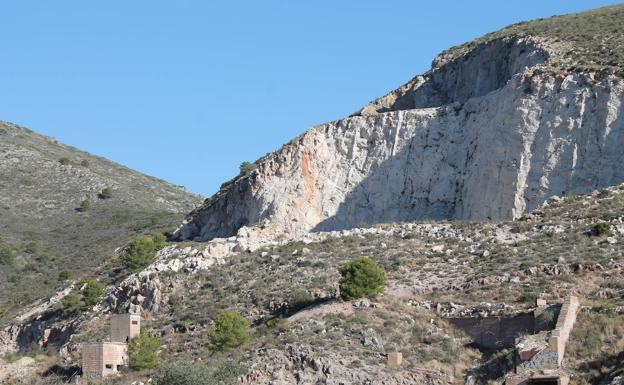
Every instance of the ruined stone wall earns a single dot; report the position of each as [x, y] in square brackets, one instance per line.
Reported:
[496, 332]
[565, 322]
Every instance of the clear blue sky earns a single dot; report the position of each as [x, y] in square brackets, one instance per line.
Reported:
[187, 90]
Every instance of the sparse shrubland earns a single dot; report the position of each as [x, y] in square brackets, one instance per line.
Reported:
[589, 41]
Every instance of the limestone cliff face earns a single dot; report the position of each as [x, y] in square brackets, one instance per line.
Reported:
[489, 135]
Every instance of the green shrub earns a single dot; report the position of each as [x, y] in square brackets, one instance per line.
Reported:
[7, 253]
[188, 373]
[31, 248]
[246, 168]
[85, 205]
[602, 230]
[143, 351]
[299, 298]
[182, 373]
[361, 277]
[92, 293]
[527, 297]
[159, 241]
[64, 275]
[229, 331]
[64, 161]
[142, 251]
[72, 303]
[106, 193]
[84, 163]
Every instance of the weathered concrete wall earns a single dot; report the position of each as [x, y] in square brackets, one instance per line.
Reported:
[125, 327]
[103, 359]
[565, 322]
[496, 332]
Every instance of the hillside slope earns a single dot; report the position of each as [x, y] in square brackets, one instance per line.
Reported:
[46, 227]
[496, 127]
[303, 334]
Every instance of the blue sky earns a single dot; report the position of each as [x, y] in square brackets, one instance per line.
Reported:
[187, 90]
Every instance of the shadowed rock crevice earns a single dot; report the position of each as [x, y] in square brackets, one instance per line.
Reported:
[483, 70]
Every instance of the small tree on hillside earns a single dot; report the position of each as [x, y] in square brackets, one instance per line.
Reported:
[229, 331]
[106, 193]
[143, 351]
[92, 293]
[602, 229]
[361, 277]
[142, 251]
[71, 304]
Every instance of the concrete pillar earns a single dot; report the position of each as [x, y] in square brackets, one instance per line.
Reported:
[395, 359]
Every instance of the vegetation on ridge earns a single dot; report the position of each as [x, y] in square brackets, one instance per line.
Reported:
[590, 40]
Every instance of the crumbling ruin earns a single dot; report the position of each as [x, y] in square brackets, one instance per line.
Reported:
[540, 361]
[106, 358]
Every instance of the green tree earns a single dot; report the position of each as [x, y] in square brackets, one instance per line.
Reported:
[72, 303]
[91, 293]
[85, 205]
[299, 298]
[142, 251]
[64, 275]
[143, 351]
[229, 331]
[246, 168]
[602, 229]
[361, 277]
[84, 163]
[106, 193]
[160, 240]
[64, 161]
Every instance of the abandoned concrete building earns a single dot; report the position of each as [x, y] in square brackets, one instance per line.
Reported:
[539, 361]
[106, 358]
[538, 337]
[103, 359]
[125, 327]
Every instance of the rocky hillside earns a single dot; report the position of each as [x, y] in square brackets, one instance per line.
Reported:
[496, 127]
[303, 334]
[65, 209]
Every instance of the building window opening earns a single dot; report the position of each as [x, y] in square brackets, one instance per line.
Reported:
[109, 366]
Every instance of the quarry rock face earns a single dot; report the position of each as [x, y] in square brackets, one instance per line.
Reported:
[486, 136]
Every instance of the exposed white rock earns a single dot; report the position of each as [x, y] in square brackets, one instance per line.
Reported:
[488, 136]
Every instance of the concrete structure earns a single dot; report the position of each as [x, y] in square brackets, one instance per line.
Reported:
[543, 379]
[103, 359]
[395, 359]
[125, 327]
[496, 331]
[565, 322]
[542, 364]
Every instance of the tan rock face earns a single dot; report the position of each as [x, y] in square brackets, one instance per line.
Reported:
[487, 137]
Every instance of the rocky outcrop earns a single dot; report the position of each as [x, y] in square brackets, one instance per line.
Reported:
[304, 365]
[486, 136]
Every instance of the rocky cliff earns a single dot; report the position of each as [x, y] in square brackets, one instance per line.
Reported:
[490, 132]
